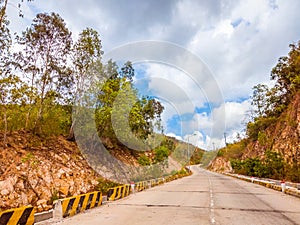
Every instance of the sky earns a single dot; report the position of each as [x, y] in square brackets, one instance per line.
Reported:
[200, 58]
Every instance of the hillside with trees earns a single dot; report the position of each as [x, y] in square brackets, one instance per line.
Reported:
[272, 146]
[46, 78]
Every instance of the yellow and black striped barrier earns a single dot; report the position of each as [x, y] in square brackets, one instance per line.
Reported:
[17, 216]
[76, 204]
[118, 192]
[126, 191]
[111, 194]
[153, 182]
[142, 185]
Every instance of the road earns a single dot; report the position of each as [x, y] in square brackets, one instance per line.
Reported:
[203, 198]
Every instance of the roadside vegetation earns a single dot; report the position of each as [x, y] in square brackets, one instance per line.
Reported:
[274, 109]
[43, 79]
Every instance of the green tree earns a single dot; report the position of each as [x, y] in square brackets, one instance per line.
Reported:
[43, 60]
[12, 90]
[86, 56]
[259, 100]
[287, 76]
[7, 81]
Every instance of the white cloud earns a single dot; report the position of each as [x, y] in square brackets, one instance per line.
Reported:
[174, 136]
[212, 126]
[224, 28]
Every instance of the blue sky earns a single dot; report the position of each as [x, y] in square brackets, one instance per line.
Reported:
[239, 41]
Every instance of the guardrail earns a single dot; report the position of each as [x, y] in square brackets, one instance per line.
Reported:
[118, 192]
[73, 205]
[269, 184]
[18, 216]
[70, 206]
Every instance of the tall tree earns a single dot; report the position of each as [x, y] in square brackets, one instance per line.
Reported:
[120, 112]
[259, 99]
[12, 90]
[47, 45]
[86, 56]
[5, 70]
[287, 74]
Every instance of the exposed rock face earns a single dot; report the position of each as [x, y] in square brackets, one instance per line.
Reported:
[219, 164]
[39, 172]
[282, 137]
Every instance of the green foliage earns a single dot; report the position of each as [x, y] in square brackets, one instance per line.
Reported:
[168, 143]
[233, 151]
[259, 99]
[287, 74]
[47, 42]
[55, 73]
[120, 113]
[54, 197]
[104, 184]
[161, 153]
[259, 126]
[262, 138]
[272, 166]
[196, 157]
[144, 160]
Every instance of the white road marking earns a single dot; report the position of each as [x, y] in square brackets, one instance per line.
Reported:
[212, 211]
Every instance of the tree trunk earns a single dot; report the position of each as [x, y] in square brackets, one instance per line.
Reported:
[5, 127]
[27, 118]
[37, 129]
[71, 136]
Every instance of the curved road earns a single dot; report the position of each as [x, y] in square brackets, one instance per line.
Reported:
[203, 198]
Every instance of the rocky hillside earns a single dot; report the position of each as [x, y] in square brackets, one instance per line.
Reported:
[37, 171]
[282, 137]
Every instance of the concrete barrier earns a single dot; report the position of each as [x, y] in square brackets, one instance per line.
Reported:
[18, 216]
[126, 190]
[269, 184]
[42, 216]
[118, 192]
[73, 205]
[141, 185]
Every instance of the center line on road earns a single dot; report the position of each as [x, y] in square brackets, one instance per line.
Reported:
[212, 211]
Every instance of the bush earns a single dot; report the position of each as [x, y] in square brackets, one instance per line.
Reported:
[259, 125]
[272, 166]
[161, 153]
[104, 184]
[144, 160]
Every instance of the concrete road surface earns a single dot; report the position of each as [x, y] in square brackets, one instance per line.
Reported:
[203, 198]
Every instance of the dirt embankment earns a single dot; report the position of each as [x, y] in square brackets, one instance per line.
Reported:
[37, 171]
